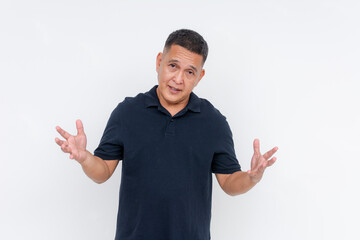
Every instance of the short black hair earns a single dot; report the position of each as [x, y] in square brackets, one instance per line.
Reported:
[190, 40]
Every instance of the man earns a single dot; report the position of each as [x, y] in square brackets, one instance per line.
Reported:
[170, 142]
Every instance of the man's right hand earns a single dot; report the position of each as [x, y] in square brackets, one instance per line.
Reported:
[75, 145]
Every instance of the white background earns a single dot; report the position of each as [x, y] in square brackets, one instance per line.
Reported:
[285, 72]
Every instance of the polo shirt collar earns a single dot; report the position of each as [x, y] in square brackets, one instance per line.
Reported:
[152, 100]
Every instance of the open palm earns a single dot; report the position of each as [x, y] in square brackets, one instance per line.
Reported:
[75, 145]
[260, 162]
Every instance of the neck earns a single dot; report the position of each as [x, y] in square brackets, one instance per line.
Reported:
[172, 108]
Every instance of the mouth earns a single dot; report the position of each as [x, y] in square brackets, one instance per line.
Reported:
[174, 90]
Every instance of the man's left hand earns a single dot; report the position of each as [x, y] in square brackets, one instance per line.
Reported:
[260, 162]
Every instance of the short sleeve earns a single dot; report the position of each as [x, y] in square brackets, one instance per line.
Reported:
[224, 159]
[111, 145]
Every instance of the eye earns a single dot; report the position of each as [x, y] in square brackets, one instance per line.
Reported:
[172, 65]
[191, 72]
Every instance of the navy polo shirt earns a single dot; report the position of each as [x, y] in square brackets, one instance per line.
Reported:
[166, 181]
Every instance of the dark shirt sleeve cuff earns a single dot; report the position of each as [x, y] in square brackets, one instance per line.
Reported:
[227, 171]
[106, 157]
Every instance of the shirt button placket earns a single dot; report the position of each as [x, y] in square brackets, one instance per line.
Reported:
[170, 130]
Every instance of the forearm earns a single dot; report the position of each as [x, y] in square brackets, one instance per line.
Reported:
[238, 183]
[95, 168]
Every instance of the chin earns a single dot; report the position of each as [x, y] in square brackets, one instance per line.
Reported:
[172, 100]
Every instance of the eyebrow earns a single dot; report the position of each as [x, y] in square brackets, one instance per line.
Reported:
[177, 61]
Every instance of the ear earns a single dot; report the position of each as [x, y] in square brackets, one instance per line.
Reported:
[158, 61]
[200, 77]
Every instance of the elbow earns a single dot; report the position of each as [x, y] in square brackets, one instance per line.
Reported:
[228, 189]
[235, 194]
[100, 178]
[232, 194]
[100, 181]
[238, 185]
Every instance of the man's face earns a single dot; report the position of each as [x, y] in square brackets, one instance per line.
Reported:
[179, 71]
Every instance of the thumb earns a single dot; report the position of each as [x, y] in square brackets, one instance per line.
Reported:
[256, 146]
[79, 127]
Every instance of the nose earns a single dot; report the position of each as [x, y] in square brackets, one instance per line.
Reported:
[179, 77]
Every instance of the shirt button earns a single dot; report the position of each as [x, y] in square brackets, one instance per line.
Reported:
[171, 120]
